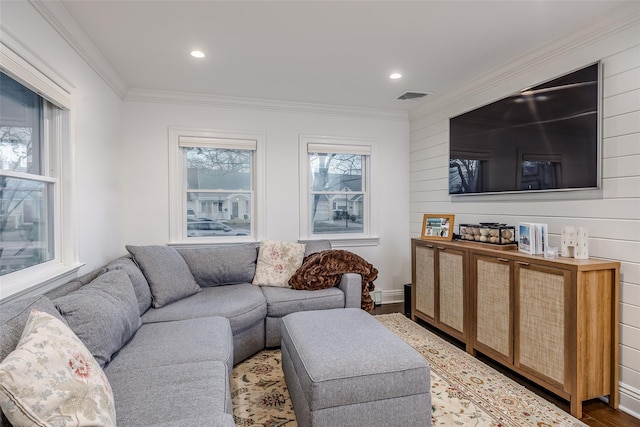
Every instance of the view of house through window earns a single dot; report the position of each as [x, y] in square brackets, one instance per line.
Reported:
[338, 193]
[26, 189]
[219, 191]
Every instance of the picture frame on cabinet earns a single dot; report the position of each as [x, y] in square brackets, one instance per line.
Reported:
[437, 226]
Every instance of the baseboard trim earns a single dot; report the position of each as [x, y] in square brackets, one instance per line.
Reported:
[392, 297]
[630, 400]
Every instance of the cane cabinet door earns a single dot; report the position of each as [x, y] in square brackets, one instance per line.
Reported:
[492, 322]
[542, 322]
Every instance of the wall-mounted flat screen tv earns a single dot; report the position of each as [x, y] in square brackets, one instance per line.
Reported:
[542, 138]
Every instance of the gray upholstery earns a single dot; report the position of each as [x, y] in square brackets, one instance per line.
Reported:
[161, 394]
[13, 318]
[222, 265]
[139, 282]
[313, 246]
[351, 285]
[283, 301]
[103, 314]
[166, 271]
[179, 342]
[242, 304]
[73, 285]
[211, 420]
[338, 384]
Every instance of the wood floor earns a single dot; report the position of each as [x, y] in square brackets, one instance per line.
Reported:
[595, 412]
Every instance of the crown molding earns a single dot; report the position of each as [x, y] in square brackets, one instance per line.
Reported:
[61, 20]
[619, 19]
[204, 100]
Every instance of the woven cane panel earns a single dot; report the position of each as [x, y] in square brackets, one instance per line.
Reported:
[492, 323]
[541, 323]
[425, 281]
[451, 290]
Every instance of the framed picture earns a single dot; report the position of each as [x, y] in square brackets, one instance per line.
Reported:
[437, 226]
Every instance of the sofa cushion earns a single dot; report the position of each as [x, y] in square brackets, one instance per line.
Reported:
[139, 282]
[277, 261]
[103, 314]
[222, 265]
[13, 319]
[164, 394]
[243, 304]
[166, 271]
[164, 344]
[50, 359]
[282, 301]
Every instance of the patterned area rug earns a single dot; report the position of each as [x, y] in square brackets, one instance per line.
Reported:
[464, 391]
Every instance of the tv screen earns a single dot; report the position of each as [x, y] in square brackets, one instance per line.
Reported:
[542, 138]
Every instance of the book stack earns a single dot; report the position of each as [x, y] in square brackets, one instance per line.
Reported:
[533, 238]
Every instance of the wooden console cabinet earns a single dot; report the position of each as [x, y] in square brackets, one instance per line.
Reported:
[554, 321]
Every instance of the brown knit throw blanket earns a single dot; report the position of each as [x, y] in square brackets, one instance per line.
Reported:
[324, 270]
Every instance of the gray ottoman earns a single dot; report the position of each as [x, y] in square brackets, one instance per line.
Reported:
[345, 368]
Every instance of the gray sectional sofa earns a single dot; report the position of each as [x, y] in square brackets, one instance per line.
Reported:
[168, 345]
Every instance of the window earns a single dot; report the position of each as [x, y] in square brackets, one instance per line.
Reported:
[214, 195]
[335, 188]
[33, 147]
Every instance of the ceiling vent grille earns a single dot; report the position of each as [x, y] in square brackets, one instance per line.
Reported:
[412, 96]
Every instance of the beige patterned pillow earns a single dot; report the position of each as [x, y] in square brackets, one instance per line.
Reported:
[277, 261]
[52, 379]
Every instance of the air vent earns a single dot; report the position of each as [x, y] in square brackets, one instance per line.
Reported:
[412, 96]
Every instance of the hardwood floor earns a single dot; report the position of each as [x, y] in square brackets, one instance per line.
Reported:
[596, 413]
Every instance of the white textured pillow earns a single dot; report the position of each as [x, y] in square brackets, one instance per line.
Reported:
[52, 379]
[277, 261]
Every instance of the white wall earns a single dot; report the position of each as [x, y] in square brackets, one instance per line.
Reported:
[613, 218]
[96, 126]
[145, 171]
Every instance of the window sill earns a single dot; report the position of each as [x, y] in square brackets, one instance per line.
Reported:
[36, 281]
[362, 241]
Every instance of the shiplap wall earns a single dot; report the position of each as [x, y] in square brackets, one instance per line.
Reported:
[612, 216]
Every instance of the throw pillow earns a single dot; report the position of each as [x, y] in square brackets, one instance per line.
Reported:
[222, 265]
[52, 379]
[139, 282]
[103, 314]
[166, 271]
[277, 261]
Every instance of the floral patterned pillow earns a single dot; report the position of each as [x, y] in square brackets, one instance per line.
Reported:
[52, 379]
[277, 261]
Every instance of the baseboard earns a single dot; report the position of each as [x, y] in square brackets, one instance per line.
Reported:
[630, 400]
[392, 297]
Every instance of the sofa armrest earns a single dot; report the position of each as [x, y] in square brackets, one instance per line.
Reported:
[351, 285]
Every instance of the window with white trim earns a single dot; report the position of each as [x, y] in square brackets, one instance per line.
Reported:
[335, 190]
[33, 147]
[214, 197]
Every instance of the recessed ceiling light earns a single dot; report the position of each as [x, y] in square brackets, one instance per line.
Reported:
[395, 76]
[197, 54]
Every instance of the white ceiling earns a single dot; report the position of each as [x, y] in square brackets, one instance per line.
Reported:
[322, 52]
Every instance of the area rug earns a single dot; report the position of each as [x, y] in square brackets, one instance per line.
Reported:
[464, 391]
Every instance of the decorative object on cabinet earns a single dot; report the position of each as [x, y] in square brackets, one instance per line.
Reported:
[437, 226]
[533, 238]
[575, 242]
[488, 232]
